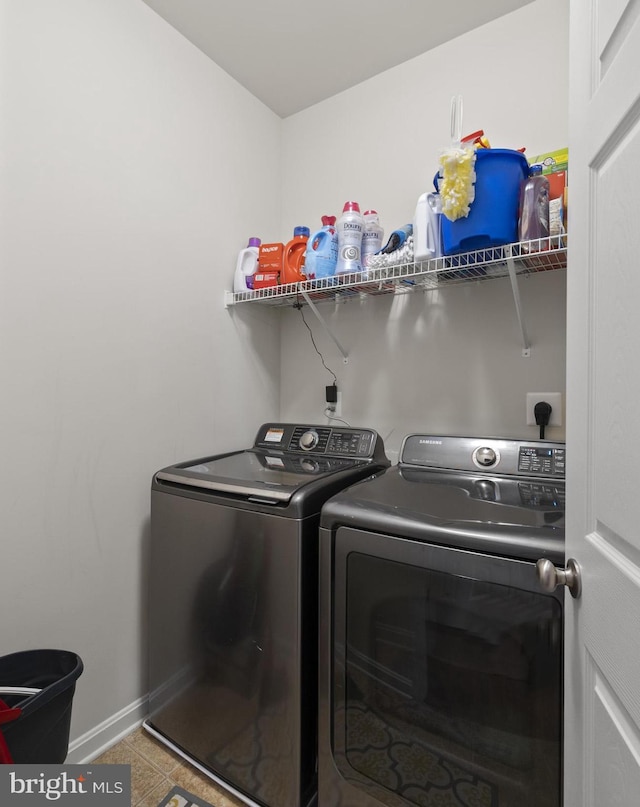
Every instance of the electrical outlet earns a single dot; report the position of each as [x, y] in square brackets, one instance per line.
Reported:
[552, 398]
[337, 412]
[332, 407]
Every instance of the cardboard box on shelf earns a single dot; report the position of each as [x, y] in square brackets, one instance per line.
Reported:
[555, 166]
[552, 161]
[270, 277]
[270, 257]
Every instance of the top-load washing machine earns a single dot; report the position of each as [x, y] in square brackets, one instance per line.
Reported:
[440, 652]
[233, 605]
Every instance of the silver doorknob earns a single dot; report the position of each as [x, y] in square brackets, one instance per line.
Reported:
[550, 577]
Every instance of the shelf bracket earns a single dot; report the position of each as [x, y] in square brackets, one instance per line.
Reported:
[526, 344]
[314, 308]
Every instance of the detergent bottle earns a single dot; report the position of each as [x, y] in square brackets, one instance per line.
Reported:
[322, 251]
[350, 226]
[293, 260]
[371, 237]
[246, 266]
[427, 242]
[534, 210]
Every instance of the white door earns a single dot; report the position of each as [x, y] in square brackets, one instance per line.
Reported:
[602, 680]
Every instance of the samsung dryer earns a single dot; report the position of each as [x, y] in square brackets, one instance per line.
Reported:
[441, 654]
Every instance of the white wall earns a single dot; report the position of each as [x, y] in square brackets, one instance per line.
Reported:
[450, 360]
[130, 164]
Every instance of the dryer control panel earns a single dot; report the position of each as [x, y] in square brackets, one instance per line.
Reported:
[544, 459]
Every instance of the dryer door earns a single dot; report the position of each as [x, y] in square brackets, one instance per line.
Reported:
[444, 679]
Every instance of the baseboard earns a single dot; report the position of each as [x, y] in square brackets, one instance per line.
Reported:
[94, 742]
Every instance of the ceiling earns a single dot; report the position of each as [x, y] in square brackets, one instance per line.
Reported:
[292, 54]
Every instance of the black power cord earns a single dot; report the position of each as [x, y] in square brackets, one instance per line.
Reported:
[298, 305]
[542, 414]
[331, 390]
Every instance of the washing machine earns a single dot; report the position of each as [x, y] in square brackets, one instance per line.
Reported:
[233, 605]
[440, 650]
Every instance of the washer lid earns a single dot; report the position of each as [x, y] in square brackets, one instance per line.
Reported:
[284, 458]
[256, 473]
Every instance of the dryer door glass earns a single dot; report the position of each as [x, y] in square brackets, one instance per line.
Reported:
[447, 684]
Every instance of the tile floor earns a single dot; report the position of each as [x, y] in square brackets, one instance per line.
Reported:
[155, 769]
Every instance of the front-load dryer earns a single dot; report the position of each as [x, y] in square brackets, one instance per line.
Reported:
[440, 652]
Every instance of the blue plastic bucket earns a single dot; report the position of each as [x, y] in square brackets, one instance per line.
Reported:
[493, 217]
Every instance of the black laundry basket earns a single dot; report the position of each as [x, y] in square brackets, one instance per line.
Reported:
[39, 731]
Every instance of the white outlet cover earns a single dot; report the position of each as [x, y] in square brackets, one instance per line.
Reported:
[338, 409]
[553, 398]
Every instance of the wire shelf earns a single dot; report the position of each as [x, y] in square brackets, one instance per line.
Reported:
[525, 257]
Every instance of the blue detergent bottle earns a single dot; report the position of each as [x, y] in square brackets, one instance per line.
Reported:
[322, 251]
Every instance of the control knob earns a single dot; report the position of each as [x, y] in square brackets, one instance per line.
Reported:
[308, 440]
[485, 456]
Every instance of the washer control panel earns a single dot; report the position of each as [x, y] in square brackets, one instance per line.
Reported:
[336, 442]
[364, 444]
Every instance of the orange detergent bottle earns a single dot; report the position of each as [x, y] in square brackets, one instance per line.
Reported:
[293, 263]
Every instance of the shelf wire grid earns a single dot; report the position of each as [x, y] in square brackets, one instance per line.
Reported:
[527, 257]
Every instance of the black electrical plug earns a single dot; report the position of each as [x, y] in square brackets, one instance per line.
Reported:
[331, 396]
[542, 414]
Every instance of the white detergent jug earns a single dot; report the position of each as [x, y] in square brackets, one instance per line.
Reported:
[246, 266]
[427, 241]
